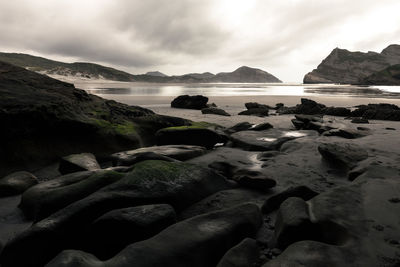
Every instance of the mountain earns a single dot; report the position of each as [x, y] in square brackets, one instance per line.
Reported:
[246, 75]
[78, 69]
[56, 69]
[388, 76]
[343, 66]
[156, 73]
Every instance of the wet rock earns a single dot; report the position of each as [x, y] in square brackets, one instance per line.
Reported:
[337, 111]
[253, 179]
[292, 222]
[189, 135]
[179, 152]
[259, 112]
[116, 229]
[190, 102]
[245, 254]
[342, 154]
[241, 126]
[40, 201]
[345, 133]
[261, 127]
[78, 162]
[16, 183]
[359, 120]
[175, 183]
[215, 111]
[206, 237]
[273, 202]
[265, 156]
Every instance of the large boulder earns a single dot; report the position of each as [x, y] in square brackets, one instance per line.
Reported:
[189, 135]
[200, 242]
[46, 119]
[179, 152]
[78, 162]
[175, 183]
[190, 102]
[16, 183]
[342, 154]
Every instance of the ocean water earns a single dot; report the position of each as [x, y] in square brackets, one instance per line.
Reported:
[236, 89]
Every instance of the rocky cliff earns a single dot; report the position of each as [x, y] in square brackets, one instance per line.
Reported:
[388, 76]
[343, 66]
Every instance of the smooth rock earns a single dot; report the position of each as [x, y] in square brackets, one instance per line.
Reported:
[345, 133]
[261, 127]
[241, 126]
[215, 111]
[78, 162]
[253, 179]
[190, 102]
[347, 155]
[16, 183]
[245, 254]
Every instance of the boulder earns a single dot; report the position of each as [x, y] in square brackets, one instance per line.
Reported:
[245, 254]
[189, 135]
[175, 183]
[261, 127]
[199, 241]
[241, 126]
[253, 179]
[273, 202]
[215, 111]
[342, 154]
[178, 152]
[252, 105]
[337, 111]
[116, 229]
[16, 183]
[259, 112]
[309, 107]
[78, 162]
[190, 102]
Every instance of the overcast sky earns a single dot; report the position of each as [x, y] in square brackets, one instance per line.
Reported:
[287, 38]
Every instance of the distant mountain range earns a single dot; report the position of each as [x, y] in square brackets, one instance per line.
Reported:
[343, 66]
[95, 71]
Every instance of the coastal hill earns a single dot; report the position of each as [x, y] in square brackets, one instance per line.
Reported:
[343, 66]
[95, 71]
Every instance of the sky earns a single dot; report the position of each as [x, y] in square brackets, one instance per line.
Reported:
[287, 38]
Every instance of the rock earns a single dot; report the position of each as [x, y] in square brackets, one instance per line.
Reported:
[309, 107]
[116, 229]
[342, 154]
[245, 254]
[292, 222]
[241, 126]
[44, 115]
[265, 156]
[345, 133]
[387, 76]
[178, 152]
[260, 112]
[273, 202]
[190, 102]
[309, 118]
[253, 179]
[345, 67]
[347, 218]
[78, 162]
[261, 127]
[359, 120]
[262, 140]
[279, 105]
[215, 111]
[206, 237]
[175, 183]
[252, 105]
[377, 112]
[390, 129]
[40, 201]
[189, 135]
[16, 183]
[337, 111]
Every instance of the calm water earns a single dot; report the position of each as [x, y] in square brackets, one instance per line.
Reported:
[236, 89]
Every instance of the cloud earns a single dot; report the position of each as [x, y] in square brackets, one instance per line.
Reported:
[287, 38]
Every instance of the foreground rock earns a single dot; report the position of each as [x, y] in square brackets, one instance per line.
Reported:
[355, 224]
[245, 254]
[346, 155]
[215, 111]
[378, 112]
[190, 102]
[78, 162]
[174, 183]
[179, 152]
[44, 115]
[205, 238]
[16, 183]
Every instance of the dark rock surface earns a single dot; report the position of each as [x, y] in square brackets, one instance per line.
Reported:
[262, 126]
[388, 76]
[16, 183]
[337, 111]
[241, 126]
[347, 155]
[244, 254]
[253, 179]
[178, 152]
[202, 241]
[78, 162]
[259, 112]
[215, 111]
[345, 133]
[378, 112]
[360, 120]
[190, 102]
[189, 135]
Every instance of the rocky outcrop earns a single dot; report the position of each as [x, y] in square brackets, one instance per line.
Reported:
[47, 119]
[388, 76]
[343, 66]
[246, 75]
